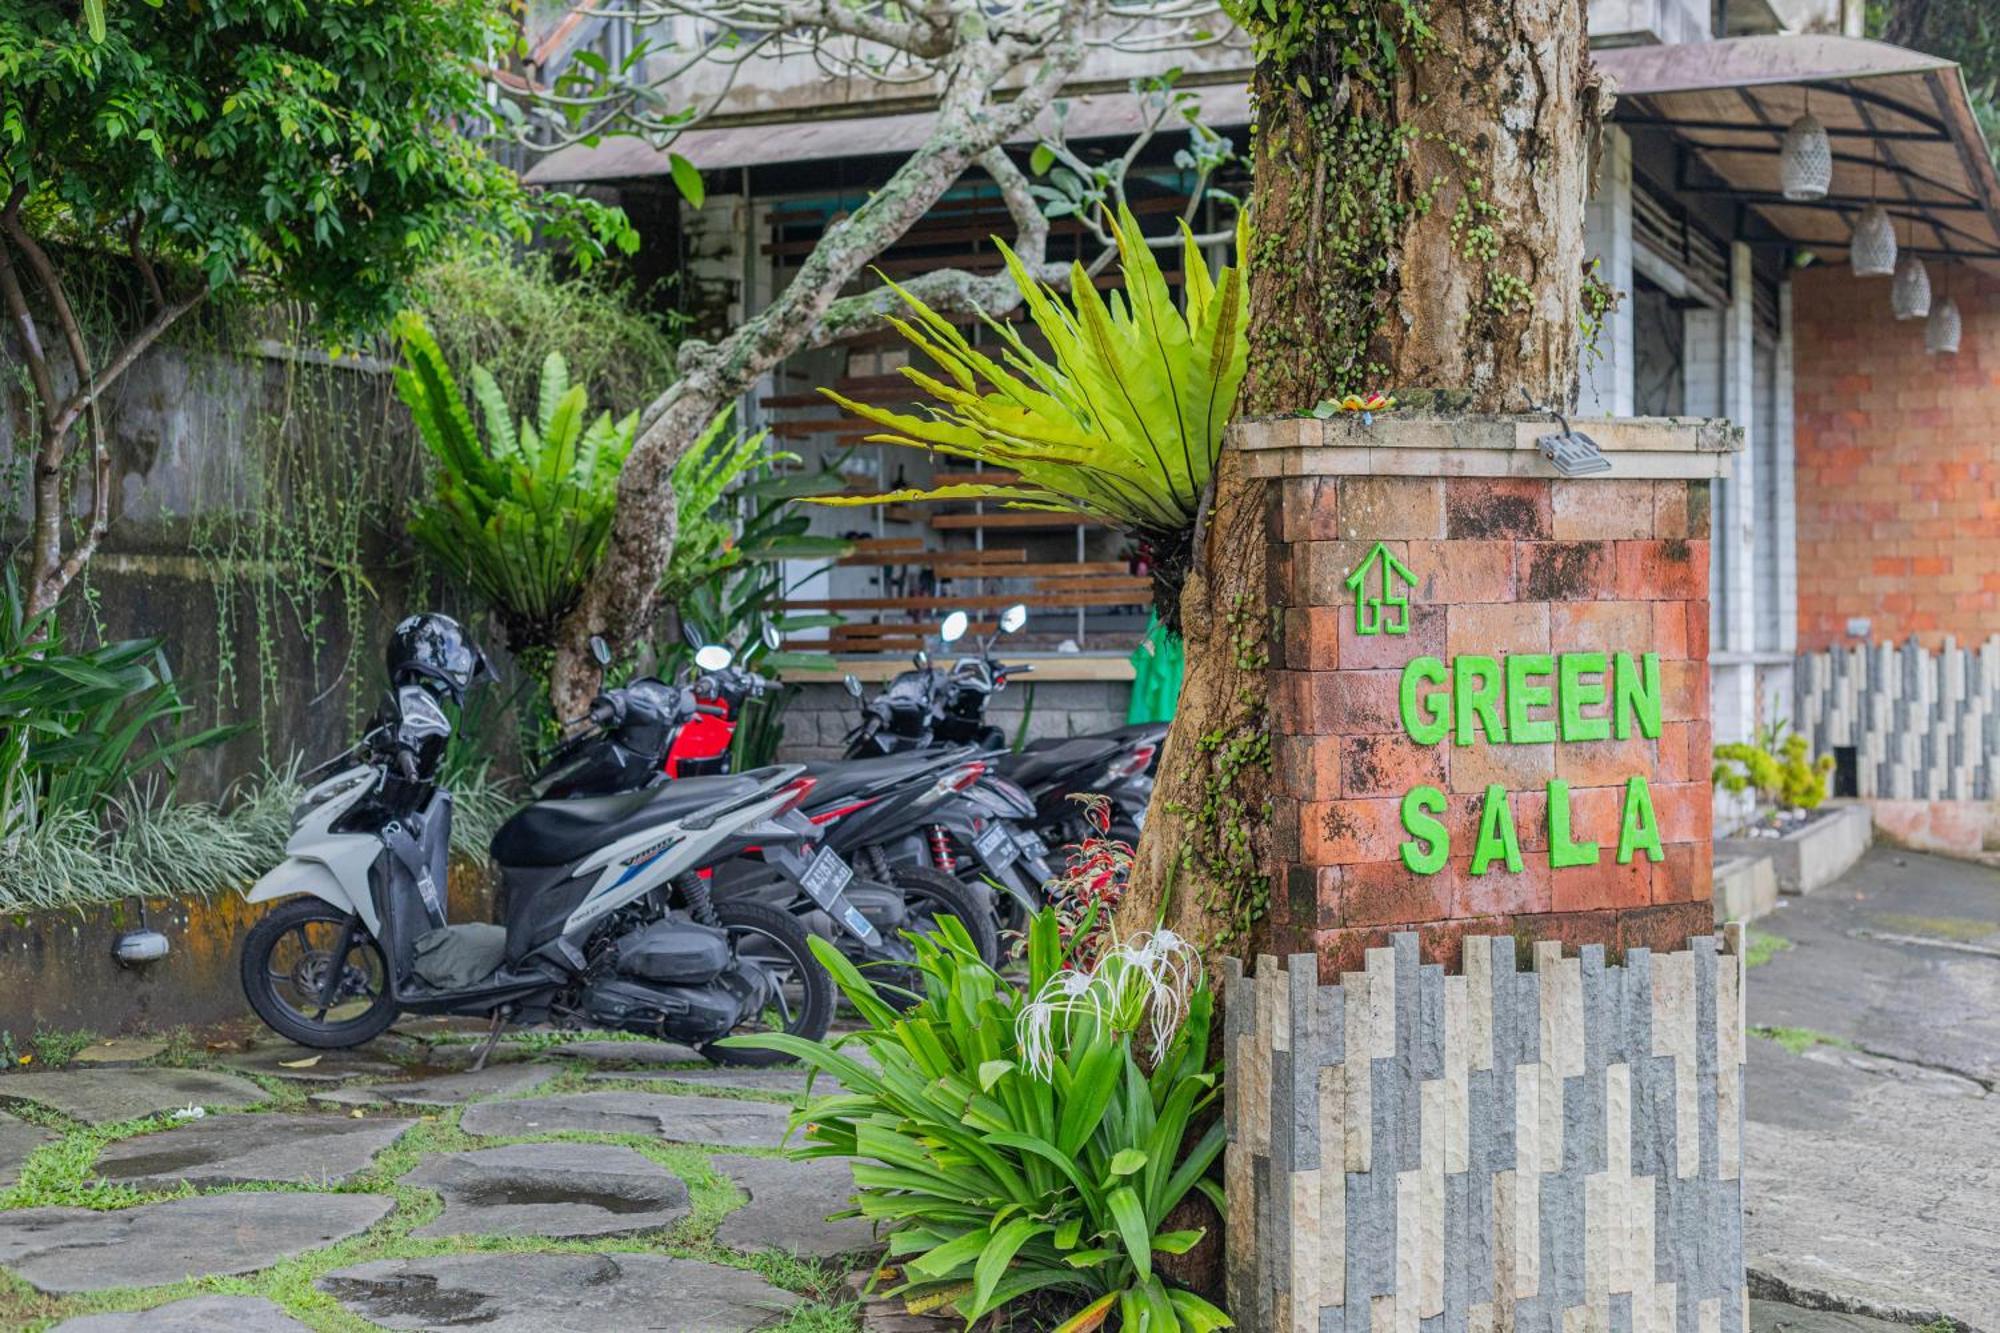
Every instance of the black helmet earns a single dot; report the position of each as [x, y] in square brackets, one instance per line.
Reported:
[432, 650]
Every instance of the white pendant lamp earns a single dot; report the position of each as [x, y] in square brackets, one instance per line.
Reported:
[1941, 330]
[1872, 252]
[1805, 162]
[1910, 291]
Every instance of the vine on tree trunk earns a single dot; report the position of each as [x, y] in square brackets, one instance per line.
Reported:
[1220, 850]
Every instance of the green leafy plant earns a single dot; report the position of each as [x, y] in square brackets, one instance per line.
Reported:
[78, 727]
[258, 150]
[1777, 766]
[522, 514]
[1123, 421]
[729, 574]
[1020, 1145]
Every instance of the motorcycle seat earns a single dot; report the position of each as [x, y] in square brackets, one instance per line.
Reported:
[1043, 762]
[554, 833]
[844, 781]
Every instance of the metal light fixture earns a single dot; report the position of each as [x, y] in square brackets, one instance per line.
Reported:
[1941, 330]
[1805, 162]
[1910, 290]
[1872, 253]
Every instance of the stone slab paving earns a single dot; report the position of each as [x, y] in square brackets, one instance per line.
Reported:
[1862, 1187]
[790, 1203]
[719, 1120]
[457, 1089]
[65, 1250]
[18, 1138]
[119, 1051]
[791, 1081]
[626, 1052]
[558, 1293]
[302, 1064]
[243, 1149]
[202, 1314]
[104, 1096]
[551, 1189]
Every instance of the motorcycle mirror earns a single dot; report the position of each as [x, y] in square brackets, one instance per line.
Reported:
[770, 636]
[1013, 618]
[691, 634]
[713, 657]
[955, 626]
[853, 685]
[922, 659]
[600, 651]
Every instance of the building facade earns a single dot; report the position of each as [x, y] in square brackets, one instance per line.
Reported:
[1862, 517]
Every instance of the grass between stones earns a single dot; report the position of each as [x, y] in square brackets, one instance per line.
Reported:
[1800, 1040]
[1760, 947]
[61, 1174]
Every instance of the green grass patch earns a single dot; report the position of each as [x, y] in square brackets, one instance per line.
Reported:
[1760, 947]
[1800, 1040]
[54, 1049]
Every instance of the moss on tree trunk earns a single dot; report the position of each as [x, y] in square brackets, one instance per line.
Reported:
[1419, 227]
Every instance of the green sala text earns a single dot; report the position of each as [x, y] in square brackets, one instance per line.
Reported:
[1571, 697]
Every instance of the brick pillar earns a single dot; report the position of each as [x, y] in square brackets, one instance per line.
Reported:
[1529, 756]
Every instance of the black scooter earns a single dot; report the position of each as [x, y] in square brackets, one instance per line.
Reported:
[932, 706]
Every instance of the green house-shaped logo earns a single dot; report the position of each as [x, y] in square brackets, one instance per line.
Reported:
[1387, 609]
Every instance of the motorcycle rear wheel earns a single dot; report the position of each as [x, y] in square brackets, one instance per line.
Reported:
[776, 941]
[932, 894]
[285, 961]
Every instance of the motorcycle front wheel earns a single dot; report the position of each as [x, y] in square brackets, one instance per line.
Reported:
[803, 1002]
[288, 960]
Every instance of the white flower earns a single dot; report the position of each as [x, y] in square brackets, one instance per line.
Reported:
[1067, 992]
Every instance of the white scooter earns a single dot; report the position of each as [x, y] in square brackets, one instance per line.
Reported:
[606, 918]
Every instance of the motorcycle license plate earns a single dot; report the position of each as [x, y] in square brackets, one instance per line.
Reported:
[826, 876]
[1032, 845]
[996, 846]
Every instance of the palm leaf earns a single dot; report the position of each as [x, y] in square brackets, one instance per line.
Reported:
[1121, 420]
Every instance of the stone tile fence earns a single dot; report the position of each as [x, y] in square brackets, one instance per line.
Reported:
[1924, 725]
[1556, 1149]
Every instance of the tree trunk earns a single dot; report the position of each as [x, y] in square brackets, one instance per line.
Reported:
[1419, 229]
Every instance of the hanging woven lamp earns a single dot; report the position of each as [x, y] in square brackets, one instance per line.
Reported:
[1941, 330]
[1872, 252]
[1910, 291]
[1805, 162]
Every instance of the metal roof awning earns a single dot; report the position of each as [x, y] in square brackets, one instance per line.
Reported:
[1901, 129]
[720, 147]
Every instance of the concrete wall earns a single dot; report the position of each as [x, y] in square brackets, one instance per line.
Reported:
[57, 971]
[1548, 1150]
[254, 495]
[1898, 465]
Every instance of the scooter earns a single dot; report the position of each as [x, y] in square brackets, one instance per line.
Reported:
[629, 744]
[605, 920]
[939, 826]
[931, 706]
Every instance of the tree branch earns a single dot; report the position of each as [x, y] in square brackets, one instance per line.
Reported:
[31, 336]
[955, 291]
[134, 348]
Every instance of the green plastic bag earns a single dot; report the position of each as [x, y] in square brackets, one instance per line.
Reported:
[1157, 664]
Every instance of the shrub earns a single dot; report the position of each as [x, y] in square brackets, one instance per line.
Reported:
[521, 515]
[78, 726]
[1776, 765]
[1015, 1144]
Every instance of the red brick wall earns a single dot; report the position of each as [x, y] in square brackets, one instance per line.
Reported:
[1503, 567]
[1898, 463]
